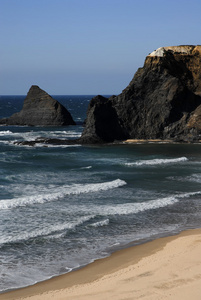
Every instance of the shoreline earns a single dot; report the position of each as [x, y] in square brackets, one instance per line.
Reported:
[95, 280]
[159, 141]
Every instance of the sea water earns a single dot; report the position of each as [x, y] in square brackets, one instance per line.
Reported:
[62, 207]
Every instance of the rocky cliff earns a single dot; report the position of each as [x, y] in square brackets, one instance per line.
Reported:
[40, 109]
[162, 101]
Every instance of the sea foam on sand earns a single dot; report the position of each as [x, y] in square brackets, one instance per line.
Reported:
[164, 269]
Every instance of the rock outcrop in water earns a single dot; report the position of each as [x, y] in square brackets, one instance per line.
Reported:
[163, 101]
[40, 109]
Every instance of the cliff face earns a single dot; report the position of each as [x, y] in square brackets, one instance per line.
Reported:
[161, 101]
[40, 109]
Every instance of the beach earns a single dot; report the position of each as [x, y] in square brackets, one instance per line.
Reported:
[66, 207]
[166, 268]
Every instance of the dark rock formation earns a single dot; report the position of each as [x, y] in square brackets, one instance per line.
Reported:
[103, 123]
[40, 109]
[163, 101]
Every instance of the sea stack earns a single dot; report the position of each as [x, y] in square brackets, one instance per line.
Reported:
[40, 109]
[162, 101]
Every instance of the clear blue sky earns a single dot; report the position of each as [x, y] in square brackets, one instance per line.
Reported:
[87, 46]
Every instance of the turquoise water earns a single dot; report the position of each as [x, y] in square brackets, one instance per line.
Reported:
[61, 207]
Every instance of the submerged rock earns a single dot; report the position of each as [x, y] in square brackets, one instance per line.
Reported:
[40, 109]
[163, 101]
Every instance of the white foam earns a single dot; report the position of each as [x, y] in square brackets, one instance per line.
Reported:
[32, 135]
[61, 134]
[25, 135]
[39, 145]
[66, 190]
[6, 132]
[44, 231]
[4, 142]
[134, 208]
[157, 161]
[89, 167]
[192, 178]
[101, 223]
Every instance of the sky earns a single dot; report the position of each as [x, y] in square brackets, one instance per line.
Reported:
[87, 47]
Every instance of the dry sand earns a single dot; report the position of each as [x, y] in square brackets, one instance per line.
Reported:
[159, 141]
[167, 268]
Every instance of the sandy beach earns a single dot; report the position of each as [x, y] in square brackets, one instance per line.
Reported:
[166, 268]
[146, 141]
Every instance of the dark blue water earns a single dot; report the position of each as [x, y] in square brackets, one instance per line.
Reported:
[62, 207]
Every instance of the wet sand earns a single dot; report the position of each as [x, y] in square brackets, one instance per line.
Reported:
[166, 268]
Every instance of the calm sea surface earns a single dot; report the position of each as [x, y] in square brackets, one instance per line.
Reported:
[61, 207]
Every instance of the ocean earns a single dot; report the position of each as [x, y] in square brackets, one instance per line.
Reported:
[62, 207]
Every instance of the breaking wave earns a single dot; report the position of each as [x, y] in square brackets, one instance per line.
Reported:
[134, 208]
[101, 223]
[5, 132]
[48, 231]
[32, 135]
[74, 189]
[157, 161]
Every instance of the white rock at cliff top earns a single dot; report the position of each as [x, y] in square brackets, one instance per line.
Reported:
[180, 49]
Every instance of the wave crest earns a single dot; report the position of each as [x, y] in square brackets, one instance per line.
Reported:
[50, 231]
[101, 223]
[5, 132]
[157, 161]
[74, 189]
[134, 208]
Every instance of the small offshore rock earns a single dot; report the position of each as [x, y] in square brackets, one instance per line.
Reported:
[40, 109]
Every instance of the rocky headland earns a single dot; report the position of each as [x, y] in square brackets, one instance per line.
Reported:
[162, 101]
[40, 109]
